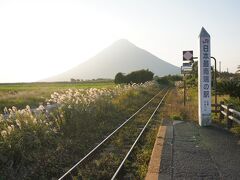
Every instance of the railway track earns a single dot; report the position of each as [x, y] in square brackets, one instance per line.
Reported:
[107, 158]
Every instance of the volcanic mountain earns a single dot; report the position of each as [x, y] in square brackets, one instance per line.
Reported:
[121, 56]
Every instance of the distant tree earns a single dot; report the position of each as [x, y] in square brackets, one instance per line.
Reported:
[140, 76]
[227, 75]
[119, 78]
[195, 69]
[230, 87]
[174, 77]
[192, 78]
[72, 80]
[164, 81]
[238, 70]
[168, 80]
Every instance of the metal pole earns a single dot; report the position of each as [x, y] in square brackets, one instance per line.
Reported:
[184, 93]
[219, 66]
[215, 82]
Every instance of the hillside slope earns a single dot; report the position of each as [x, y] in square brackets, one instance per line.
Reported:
[121, 56]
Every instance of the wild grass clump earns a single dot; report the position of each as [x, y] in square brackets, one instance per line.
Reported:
[174, 109]
[24, 138]
[43, 144]
[176, 117]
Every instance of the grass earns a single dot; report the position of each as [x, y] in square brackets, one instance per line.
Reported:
[190, 112]
[105, 161]
[34, 94]
[136, 166]
[45, 146]
[173, 108]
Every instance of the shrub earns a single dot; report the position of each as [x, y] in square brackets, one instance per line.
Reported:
[231, 87]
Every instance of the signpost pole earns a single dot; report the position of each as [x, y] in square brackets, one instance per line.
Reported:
[215, 82]
[204, 80]
[186, 68]
[184, 90]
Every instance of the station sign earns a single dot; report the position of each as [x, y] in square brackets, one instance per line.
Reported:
[204, 79]
[186, 69]
[187, 64]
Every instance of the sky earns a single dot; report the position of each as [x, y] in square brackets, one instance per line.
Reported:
[42, 38]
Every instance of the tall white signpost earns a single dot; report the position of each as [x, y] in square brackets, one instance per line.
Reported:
[204, 79]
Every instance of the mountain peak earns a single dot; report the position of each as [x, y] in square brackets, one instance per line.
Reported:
[123, 40]
[122, 56]
[123, 43]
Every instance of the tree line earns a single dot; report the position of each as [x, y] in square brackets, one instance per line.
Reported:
[140, 76]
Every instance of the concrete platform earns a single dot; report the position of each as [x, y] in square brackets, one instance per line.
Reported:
[183, 150]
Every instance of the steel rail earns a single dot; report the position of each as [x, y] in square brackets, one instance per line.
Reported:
[234, 119]
[234, 112]
[224, 106]
[225, 114]
[110, 135]
[120, 166]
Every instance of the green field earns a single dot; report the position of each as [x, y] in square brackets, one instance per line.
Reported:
[34, 94]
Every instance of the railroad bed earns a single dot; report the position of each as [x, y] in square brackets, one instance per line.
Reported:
[108, 158]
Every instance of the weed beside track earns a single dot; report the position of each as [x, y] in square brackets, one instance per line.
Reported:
[104, 162]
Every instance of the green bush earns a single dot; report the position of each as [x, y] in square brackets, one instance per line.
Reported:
[176, 117]
[168, 80]
[231, 87]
